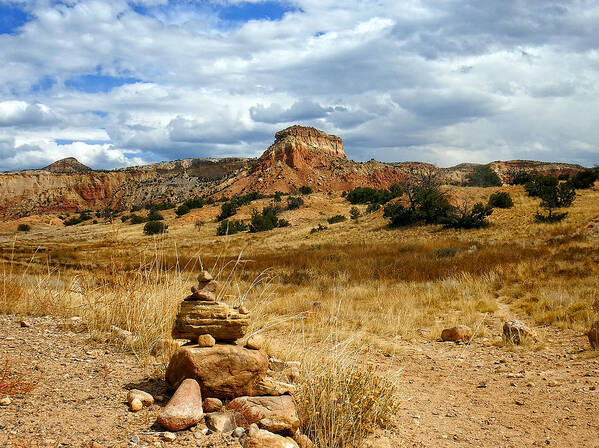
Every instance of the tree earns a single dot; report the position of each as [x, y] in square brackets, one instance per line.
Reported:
[554, 197]
[354, 213]
[305, 190]
[155, 227]
[584, 179]
[230, 227]
[466, 217]
[155, 215]
[227, 210]
[182, 210]
[483, 176]
[500, 199]
[538, 184]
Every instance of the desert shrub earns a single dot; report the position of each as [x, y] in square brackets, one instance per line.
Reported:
[83, 216]
[341, 402]
[399, 215]
[230, 227]
[520, 177]
[584, 179]
[23, 228]
[136, 219]
[563, 176]
[198, 225]
[155, 227]
[294, 202]
[500, 199]
[550, 218]
[537, 184]
[336, 219]
[304, 190]
[320, 228]
[136, 208]
[278, 196]
[182, 210]
[367, 195]
[266, 220]
[194, 203]
[469, 217]
[125, 218]
[95, 221]
[483, 176]
[283, 223]
[554, 196]
[155, 215]
[354, 213]
[372, 208]
[227, 210]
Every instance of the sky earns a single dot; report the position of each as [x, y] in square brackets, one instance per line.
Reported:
[121, 83]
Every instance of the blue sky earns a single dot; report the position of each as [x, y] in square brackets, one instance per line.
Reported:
[116, 83]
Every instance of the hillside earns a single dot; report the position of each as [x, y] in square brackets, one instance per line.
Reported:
[299, 156]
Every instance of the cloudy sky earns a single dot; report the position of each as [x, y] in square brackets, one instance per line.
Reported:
[117, 83]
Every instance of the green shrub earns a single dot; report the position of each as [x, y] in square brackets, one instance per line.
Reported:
[554, 196]
[372, 208]
[399, 216]
[230, 227]
[336, 219]
[266, 220]
[164, 205]
[483, 176]
[551, 218]
[354, 213]
[538, 184]
[83, 216]
[23, 228]
[182, 210]
[124, 218]
[367, 195]
[227, 210]
[305, 190]
[294, 202]
[501, 199]
[584, 179]
[469, 218]
[154, 215]
[194, 203]
[278, 196]
[136, 219]
[155, 227]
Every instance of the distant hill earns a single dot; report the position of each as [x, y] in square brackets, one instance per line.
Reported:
[299, 156]
[67, 166]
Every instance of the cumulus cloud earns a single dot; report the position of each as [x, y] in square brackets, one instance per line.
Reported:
[444, 82]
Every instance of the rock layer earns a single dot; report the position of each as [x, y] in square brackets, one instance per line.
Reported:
[217, 319]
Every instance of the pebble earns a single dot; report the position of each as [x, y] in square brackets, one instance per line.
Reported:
[135, 405]
[255, 342]
[25, 324]
[169, 437]
[5, 401]
[239, 432]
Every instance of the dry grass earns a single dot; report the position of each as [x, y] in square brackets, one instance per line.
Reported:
[355, 288]
[13, 384]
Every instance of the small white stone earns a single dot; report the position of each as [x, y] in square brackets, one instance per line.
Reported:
[169, 437]
[5, 401]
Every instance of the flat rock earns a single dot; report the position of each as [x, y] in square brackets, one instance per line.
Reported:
[254, 409]
[224, 371]
[270, 386]
[221, 421]
[259, 438]
[459, 333]
[217, 319]
[184, 409]
[516, 332]
[593, 335]
[204, 277]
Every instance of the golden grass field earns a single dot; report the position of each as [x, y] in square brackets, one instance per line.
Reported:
[357, 287]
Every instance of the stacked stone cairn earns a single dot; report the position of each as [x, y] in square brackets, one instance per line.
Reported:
[223, 386]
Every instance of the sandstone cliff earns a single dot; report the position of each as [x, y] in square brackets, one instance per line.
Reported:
[299, 156]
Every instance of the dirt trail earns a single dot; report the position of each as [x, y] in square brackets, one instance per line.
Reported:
[453, 395]
[485, 395]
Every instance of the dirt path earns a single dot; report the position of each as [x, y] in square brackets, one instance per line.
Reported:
[485, 395]
[453, 395]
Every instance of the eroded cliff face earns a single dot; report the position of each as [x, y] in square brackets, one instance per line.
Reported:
[45, 191]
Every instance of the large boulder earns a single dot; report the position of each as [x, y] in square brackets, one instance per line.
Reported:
[593, 335]
[279, 409]
[259, 438]
[184, 409]
[516, 332]
[217, 319]
[224, 371]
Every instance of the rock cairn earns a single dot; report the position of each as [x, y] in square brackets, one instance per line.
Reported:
[237, 384]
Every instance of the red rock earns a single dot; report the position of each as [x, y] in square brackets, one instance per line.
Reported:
[184, 409]
[224, 371]
[279, 409]
[460, 333]
[212, 405]
[259, 438]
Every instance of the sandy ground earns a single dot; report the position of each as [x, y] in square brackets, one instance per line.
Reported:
[480, 395]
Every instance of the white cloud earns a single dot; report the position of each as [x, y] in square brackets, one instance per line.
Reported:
[444, 82]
